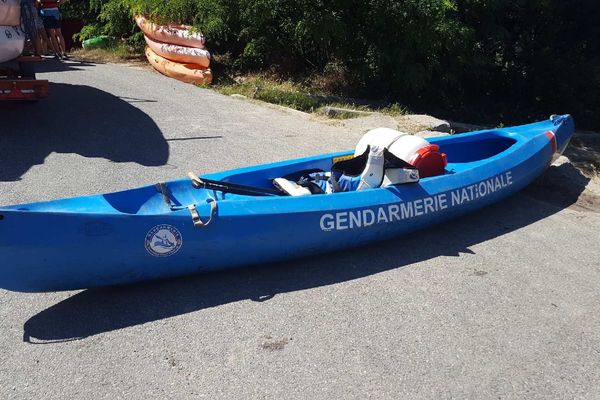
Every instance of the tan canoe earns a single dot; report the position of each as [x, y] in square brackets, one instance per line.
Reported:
[180, 54]
[189, 73]
[172, 34]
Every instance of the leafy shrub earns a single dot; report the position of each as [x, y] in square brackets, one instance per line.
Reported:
[509, 59]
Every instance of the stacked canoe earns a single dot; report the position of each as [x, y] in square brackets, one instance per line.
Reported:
[176, 51]
[12, 38]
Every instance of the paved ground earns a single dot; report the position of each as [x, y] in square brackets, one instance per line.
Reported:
[504, 303]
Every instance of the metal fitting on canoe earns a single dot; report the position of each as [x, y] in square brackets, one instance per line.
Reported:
[198, 223]
[162, 188]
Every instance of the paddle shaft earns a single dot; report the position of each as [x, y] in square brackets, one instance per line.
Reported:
[233, 188]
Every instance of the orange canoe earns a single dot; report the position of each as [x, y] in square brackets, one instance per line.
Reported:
[181, 35]
[180, 54]
[189, 73]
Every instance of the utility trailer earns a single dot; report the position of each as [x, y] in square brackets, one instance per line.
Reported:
[18, 82]
[17, 76]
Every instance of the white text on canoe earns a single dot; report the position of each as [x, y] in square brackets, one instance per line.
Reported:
[416, 208]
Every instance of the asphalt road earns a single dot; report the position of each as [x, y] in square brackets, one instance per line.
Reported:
[504, 303]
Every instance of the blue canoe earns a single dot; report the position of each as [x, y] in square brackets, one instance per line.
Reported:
[135, 235]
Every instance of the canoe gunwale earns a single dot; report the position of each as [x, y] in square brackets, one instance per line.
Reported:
[235, 205]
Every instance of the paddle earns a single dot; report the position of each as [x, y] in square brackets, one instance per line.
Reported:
[234, 188]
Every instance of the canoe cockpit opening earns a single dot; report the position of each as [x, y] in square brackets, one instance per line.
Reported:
[476, 148]
[383, 157]
[156, 199]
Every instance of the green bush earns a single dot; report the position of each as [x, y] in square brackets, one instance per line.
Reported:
[507, 59]
[532, 58]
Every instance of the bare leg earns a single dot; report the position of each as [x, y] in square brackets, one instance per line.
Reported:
[43, 38]
[61, 41]
[39, 50]
[54, 42]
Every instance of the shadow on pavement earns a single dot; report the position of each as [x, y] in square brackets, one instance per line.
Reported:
[561, 186]
[77, 119]
[53, 65]
[92, 312]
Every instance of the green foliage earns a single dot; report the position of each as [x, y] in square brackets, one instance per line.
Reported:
[87, 32]
[297, 100]
[535, 57]
[509, 59]
[283, 93]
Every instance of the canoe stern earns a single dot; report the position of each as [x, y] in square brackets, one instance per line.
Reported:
[565, 127]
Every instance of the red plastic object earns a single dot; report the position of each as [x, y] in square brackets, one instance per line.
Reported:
[17, 84]
[550, 135]
[20, 89]
[429, 161]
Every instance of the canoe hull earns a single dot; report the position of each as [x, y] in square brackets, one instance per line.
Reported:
[189, 73]
[108, 251]
[180, 54]
[88, 250]
[181, 35]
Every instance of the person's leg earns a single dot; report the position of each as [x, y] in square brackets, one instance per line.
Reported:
[49, 25]
[61, 41]
[40, 31]
[43, 38]
[37, 41]
[54, 42]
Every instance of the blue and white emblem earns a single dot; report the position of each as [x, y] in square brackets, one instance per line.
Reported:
[163, 241]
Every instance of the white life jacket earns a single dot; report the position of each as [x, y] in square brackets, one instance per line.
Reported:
[383, 157]
[375, 167]
[415, 150]
[372, 175]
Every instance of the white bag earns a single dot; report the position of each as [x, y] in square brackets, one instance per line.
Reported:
[12, 41]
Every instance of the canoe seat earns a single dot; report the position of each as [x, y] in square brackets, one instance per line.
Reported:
[383, 157]
[376, 167]
[290, 187]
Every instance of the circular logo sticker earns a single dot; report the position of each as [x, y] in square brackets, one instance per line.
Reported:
[163, 241]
